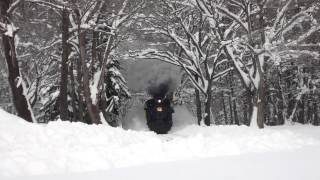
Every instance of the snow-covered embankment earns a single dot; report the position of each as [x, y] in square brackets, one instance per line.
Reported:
[63, 147]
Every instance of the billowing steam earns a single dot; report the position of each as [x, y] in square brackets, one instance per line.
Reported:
[147, 75]
[153, 77]
[160, 90]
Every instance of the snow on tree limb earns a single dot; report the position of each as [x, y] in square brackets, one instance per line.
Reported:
[8, 29]
[13, 6]
[289, 54]
[237, 64]
[280, 14]
[234, 17]
[194, 81]
[203, 7]
[221, 74]
[292, 22]
[158, 55]
[182, 45]
[237, 4]
[119, 19]
[46, 3]
[305, 35]
[123, 17]
[91, 11]
[230, 30]
[191, 36]
[170, 58]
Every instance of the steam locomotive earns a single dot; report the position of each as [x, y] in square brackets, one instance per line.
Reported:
[159, 114]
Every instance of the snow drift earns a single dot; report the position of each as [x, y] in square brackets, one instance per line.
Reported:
[62, 147]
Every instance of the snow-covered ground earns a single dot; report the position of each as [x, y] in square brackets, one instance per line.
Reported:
[63, 150]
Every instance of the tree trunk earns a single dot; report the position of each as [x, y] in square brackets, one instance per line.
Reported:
[20, 101]
[224, 108]
[80, 100]
[315, 111]
[63, 98]
[301, 109]
[75, 113]
[245, 114]
[95, 36]
[92, 108]
[250, 104]
[230, 109]
[310, 114]
[236, 119]
[254, 115]
[198, 106]
[231, 100]
[207, 110]
[260, 102]
[260, 69]
[282, 104]
[245, 109]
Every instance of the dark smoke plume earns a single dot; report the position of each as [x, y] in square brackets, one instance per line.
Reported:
[161, 89]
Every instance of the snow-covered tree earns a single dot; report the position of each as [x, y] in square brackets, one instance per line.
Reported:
[194, 49]
[77, 37]
[116, 93]
[18, 87]
[110, 26]
[251, 39]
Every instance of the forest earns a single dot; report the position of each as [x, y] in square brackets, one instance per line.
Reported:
[239, 61]
[160, 89]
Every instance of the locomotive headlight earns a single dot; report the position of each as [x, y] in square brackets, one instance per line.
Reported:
[159, 100]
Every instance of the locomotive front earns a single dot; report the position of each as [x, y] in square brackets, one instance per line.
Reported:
[159, 114]
[158, 109]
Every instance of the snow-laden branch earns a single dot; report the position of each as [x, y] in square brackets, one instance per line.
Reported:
[167, 57]
[47, 4]
[194, 81]
[234, 17]
[123, 17]
[237, 64]
[221, 74]
[292, 22]
[90, 11]
[117, 22]
[95, 17]
[3, 27]
[8, 29]
[230, 30]
[280, 14]
[13, 6]
[305, 35]
[204, 8]
[181, 44]
[193, 39]
[51, 45]
[297, 53]
[237, 4]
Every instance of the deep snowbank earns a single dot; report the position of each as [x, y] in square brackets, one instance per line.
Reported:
[297, 165]
[63, 147]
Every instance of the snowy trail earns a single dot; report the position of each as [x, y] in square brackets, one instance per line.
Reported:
[64, 148]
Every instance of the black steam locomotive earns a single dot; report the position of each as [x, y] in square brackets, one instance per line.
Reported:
[159, 114]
